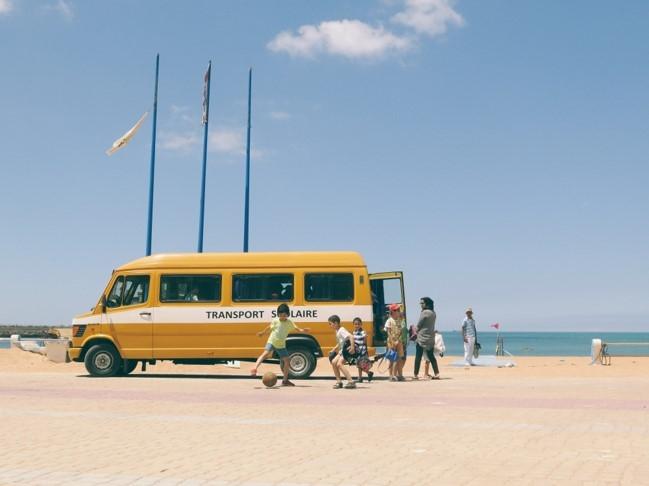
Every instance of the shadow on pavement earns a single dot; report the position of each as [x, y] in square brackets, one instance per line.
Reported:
[222, 377]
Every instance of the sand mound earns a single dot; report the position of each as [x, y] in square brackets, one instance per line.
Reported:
[17, 360]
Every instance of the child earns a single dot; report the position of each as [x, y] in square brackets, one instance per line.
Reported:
[360, 340]
[279, 329]
[393, 327]
[343, 337]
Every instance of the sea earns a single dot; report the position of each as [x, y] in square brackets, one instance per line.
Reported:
[5, 343]
[550, 343]
[535, 343]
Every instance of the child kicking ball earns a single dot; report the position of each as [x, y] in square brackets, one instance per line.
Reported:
[279, 329]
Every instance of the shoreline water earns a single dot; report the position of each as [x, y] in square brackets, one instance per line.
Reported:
[529, 343]
[550, 343]
[519, 344]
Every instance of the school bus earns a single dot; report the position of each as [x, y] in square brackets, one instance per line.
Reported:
[206, 308]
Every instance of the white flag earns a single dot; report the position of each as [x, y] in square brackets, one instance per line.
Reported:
[126, 138]
[206, 94]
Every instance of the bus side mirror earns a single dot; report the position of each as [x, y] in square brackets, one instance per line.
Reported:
[103, 304]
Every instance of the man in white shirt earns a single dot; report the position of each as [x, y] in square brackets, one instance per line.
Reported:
[470, 335]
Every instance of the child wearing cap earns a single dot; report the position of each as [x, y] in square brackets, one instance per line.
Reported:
[279, 329]
[393, 327]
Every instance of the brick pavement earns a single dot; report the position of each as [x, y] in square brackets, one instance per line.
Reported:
[477, 426]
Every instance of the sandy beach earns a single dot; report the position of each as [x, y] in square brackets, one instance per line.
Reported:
[548, 420]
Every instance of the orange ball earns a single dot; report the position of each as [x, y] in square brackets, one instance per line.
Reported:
[269, 379]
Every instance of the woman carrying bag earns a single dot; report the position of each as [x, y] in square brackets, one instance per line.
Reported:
[426, 336]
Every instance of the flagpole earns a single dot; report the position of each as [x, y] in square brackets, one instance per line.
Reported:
[497, 326]
[206, 111]
[152, 168]
[246, 219]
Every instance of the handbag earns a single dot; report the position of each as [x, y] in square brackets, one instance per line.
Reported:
[364, 363]
[439, 346]
[380, 359]
[413, 333]
[391, 355]
[476, 349]
[349, 357]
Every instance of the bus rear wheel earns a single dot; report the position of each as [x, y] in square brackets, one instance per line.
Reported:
[302, 362]
[103, 360]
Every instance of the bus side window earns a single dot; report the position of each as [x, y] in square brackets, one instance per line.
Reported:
[262, 287]
[329, 287]
[190, 288]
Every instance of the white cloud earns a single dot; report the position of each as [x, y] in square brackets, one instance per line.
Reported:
[181, 142]
[62, 7]
[6, 6]
[175, 109]
[280, 115]
[231, 141]
[429, 17]
[227, 140]
[355, 39]
[183, 113]
[348, 38]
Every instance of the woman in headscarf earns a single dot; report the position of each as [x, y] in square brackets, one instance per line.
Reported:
[426, 336]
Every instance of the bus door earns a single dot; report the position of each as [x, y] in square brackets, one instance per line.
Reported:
[129, 315]
[387, 288]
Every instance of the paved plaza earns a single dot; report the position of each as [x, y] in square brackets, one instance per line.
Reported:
[546, 421]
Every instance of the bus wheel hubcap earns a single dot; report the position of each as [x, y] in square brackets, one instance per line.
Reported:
[298, 362]
[103, 361]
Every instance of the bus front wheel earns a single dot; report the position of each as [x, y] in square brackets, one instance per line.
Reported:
[103, 360]
[302, 362]
[128, 366]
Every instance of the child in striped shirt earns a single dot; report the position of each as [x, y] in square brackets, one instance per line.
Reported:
[360, 339]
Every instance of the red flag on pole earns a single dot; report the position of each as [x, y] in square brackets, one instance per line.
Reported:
[496, 325]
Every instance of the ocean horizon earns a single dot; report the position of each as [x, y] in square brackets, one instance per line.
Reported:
[532, 343]
[565, 343]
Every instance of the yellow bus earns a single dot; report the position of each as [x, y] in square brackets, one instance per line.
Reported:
[206, 308]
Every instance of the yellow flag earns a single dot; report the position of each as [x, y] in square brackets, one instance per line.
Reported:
[126, 138]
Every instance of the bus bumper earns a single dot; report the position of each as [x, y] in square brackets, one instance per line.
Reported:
[74, 354]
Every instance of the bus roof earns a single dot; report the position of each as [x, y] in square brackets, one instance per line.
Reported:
[247, 260]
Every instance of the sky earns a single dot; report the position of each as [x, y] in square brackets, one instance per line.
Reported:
[495, 152]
